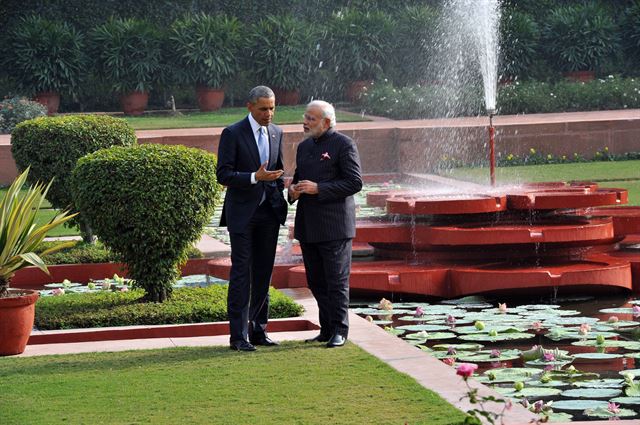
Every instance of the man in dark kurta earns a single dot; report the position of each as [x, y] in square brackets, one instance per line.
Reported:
[326, 178]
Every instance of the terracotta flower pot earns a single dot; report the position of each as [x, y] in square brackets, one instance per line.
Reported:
[50, 99]
[134, 103]
[287, 97]
[209, 99]
[16, 320]
[580, 76]
[356, 88]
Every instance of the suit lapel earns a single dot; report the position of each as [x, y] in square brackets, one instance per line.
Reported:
[250, 140]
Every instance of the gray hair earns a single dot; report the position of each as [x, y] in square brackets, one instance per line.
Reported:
[328, 111]
[260, 91]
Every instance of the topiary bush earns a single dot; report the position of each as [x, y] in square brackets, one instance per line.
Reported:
[52, 145]
[148, 203]
[17, 109]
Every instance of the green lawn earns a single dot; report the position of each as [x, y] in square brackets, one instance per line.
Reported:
[295, 383]
[226, 116]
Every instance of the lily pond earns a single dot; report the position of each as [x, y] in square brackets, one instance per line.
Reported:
[573, 359]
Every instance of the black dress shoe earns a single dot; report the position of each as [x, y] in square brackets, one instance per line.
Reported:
[336, 340]
[319, 338]
[242, 345]
[265, 341]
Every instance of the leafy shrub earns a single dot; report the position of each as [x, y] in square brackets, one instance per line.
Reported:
[580, 37]
[284, 40]
[148, 203]
[519, 44]
[46, 55]
[17, 109]
[52, 145]
[206, 49]
[83, 252]
[631, 36]
[127, 53]
[188, 305]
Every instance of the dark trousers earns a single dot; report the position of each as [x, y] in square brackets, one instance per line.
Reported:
[252, 254]
[328, 265]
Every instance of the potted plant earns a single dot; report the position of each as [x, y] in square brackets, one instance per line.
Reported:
[20, 236]
[282, 50]
[128, 55]
[580, 38]
[358, 45]
[47, 59]
[206, 49]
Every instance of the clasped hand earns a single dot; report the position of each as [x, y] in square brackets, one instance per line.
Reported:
[267, 176]
[303, 186]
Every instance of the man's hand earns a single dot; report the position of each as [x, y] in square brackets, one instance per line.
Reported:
[294, 194]
[307, 186]
[267, 176]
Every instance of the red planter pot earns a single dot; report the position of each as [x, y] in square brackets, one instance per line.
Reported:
[16, 321]
[134, 103]
[209, 99]
[287, 97]
[580, 76]
[49, 99]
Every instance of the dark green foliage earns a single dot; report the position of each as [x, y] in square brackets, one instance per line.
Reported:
[206, 49]
[358, 44]
[519, 44]
[412, 39]
[287, 42]
[631, 35]
[580, 37]
[46, 56]
[128, 54]
[17, 109]
[83, 252]
[188, 305]
[148, 203]
[52, 145]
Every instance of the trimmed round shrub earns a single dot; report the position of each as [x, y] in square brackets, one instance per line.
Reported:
[52, 145]
[148, 203]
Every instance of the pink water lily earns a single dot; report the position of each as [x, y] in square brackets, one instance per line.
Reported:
[525, 403]
[538, 406]
[549, 357]
[57, 292]
[613, 407]
[451, 320]
[451, 350]
[419, 312]
[536, 326]
[124, 289]
[635, 310]
[502, 307]
[466, 370]
[449, 361]
[585, 328]
[495, 354]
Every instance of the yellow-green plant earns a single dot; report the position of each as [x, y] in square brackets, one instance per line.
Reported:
[20, 234]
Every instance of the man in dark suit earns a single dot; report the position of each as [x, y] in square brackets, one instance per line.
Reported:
[250, 165]
[326, 178]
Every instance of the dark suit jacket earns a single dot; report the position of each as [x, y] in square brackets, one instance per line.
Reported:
[238, 157]
[332, 161]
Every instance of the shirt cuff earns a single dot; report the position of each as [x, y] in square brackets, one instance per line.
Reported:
[253, 178]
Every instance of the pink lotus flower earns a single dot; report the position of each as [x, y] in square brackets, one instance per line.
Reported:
[613, 319]
[525, 403]
[584, 329]
[508, 404]
[613, 408]
[495, 354]
[466, 370]
[419, 312]
[451, 351]
[451, 320]
[635, 310]
[57, 292]
[538, 406]
[536, 326]
[325, 156]
[124, 289]
[502, 307]
[449, 361]
[549, 357]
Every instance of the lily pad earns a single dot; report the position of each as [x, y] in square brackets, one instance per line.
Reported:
[600, 383]
[544, 363]
[62, 285]
[428, 328]
[633, 372]
[394, 331]
[626, 400]
[529, 392]
[485, 356]
[617, 310]
[539, 306]
[552, 383]
[579, 405]
[603, 412]
[382, 322]
[378, 312]
[592, 393]
[559, 417]
[432, 336]
[461, 347]
[512, 374]
[488, 328]
[515, 336]
[595, 356]
[629, 345]
[444, 354]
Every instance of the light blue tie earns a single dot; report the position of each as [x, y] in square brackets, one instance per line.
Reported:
[263, 146]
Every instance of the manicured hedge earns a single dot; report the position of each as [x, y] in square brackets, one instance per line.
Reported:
[53, 145]
[149, 203]
[188, 305]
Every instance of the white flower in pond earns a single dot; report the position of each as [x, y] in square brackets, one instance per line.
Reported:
[536, 326]
[502, 307]
[585, 328]
[369, 319]
[613, 319]
[636, 310]
[385, 304]
[57, 292]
